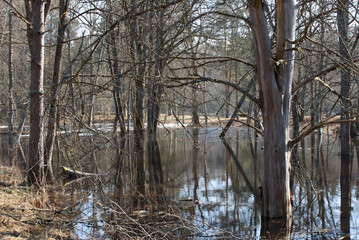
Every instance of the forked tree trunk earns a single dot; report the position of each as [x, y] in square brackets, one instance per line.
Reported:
[36, 12]
[274, 76]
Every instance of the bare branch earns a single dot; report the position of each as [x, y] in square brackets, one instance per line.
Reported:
[197, 78]
[321, 124]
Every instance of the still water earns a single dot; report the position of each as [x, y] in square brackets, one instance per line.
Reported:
[204, 189]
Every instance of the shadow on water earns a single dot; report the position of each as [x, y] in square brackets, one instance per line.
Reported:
[192, 185]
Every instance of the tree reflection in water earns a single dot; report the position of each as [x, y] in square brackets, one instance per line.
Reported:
[155, 173]
[226, 178]
[345, 192]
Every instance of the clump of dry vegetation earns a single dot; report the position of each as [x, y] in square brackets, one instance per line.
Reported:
[25, 213]
[52, 213]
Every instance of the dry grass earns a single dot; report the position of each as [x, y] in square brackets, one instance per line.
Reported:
[25, 212]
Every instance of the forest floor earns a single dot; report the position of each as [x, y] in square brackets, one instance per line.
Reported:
[26, 213]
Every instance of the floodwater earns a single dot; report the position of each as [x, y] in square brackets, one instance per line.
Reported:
[199, 187]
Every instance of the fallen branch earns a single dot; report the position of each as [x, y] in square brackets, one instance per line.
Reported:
[77, 174]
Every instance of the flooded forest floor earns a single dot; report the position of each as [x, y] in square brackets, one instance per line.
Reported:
[32, 213]
[63, 212]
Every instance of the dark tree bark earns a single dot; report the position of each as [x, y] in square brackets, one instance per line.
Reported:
[71, 87]
[346, 160]
[155, 87]
[195, 114]
[155, 167]
[274, 76]
[117, 85]
[154, 90]
[137, 54]
[345, 194]
[342, 21]
[11, 104]
[194, 86]
[36, 13]
[51, 127]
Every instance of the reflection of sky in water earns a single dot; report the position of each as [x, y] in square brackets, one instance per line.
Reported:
[89, 224]
[226, 201]
[219, 209]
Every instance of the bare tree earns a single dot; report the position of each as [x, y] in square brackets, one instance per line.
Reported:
[51, 128]
[118, 85]
[274, 74]
[36, 13]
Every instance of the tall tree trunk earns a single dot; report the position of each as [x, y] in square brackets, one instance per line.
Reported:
[226, 76]
[342, 19]
[195, 87]
[155, 87]
[275, 81]
[138, 129]
[36, 14]
[71, 87]
[195, 115]
[346, 160]
[51, 127]
[137, 54]
[92, 99]
[117, 85]
[11, 96]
